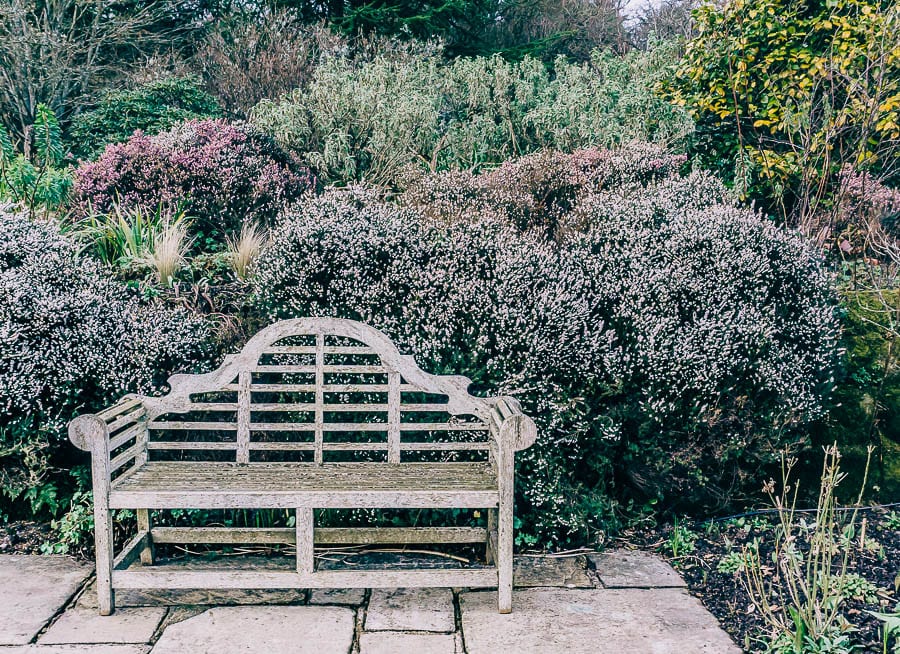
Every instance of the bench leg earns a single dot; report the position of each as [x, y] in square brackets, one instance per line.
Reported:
[504, 556]
[103, 544]
[144, 524]
[489, 546]
[306, 562]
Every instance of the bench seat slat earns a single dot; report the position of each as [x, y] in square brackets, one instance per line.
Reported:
[181, 484]
[294, 446]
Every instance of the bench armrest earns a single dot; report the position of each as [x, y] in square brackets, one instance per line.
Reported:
[99, 433]
[511, 428]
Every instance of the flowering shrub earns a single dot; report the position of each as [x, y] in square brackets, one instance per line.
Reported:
[667, 341]
[225, 174]
[371, 119]
[538, 190]
[72, 340]
[510, 311]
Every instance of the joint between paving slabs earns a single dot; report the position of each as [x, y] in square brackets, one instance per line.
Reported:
[457, 620]
[69, 603]
[360, 612]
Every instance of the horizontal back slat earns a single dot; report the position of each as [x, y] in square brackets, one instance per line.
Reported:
[310, 446]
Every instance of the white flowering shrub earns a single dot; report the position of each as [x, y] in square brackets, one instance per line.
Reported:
[667, 341]
[72, 339]
[728, 330]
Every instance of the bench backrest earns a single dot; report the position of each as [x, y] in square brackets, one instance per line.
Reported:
[319, 390]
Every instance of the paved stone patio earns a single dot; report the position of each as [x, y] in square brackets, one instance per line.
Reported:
[616, 602]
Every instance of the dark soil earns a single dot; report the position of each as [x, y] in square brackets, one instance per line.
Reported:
[723, 592]
[23, 537]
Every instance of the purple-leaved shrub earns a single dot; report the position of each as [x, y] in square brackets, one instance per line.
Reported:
[224, 174]
[72, 339]
[667, 341]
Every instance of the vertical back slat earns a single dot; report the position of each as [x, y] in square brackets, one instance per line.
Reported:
[243, 417]
[320, 395]
[393, 417]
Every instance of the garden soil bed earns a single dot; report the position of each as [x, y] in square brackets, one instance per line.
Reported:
[24, 537]
[724, 595]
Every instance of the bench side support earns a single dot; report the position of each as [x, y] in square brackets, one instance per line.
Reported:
[306, 562]
[144, 525]
[516, 432]
[91, 433]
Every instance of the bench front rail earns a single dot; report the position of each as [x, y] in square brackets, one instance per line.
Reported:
[314, 413]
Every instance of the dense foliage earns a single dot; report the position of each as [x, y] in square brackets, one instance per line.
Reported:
[787, 93]
[372, 119]
[71, 339]
[222, 174]
[667, 341]
[38, 181]
[151, 108]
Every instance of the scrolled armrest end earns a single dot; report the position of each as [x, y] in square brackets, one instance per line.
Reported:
[85, 431]
[519, 431]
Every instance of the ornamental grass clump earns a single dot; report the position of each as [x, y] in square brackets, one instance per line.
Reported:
[666, 340]
[72, 339]
[221, 173]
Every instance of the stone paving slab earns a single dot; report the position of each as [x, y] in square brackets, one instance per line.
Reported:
[391, 642]
[565, 572]
[129, 597]
[600, 621]
[76, 649]
[83, 625]
[635, 569]
[40, 585]
[410, 609]
[345, 596]
[258, 629]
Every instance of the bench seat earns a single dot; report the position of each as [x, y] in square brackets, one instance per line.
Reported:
[208, 485]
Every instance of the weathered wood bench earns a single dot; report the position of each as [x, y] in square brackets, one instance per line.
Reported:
[314, 413]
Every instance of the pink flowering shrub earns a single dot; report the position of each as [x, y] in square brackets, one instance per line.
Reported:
[667, 341]
[862, 197]
[72, 340]
[224, 174]
[538, 190]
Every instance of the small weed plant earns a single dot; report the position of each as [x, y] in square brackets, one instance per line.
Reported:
[681, 541]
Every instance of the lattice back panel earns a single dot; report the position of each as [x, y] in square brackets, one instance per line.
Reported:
[319, 398]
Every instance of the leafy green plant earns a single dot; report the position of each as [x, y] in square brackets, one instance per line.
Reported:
[35, 179]
[74, 530]
[681, 540]
[890, 630]
[731, 563]
[857, 587]
[892, 521]
[785, 94]
[152, 108]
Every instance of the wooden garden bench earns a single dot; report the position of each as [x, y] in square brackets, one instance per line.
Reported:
[313, 413]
